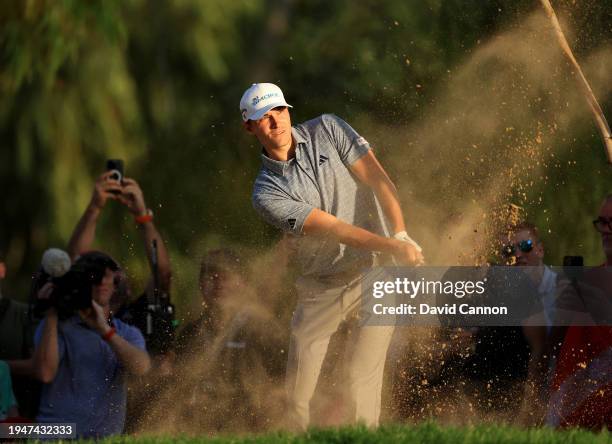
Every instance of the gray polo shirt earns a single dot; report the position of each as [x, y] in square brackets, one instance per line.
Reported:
[318, 176]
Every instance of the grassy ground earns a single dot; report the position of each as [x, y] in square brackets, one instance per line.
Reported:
[421, 434]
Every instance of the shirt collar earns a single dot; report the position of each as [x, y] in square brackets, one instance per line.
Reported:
[297, 136]
[281, 167]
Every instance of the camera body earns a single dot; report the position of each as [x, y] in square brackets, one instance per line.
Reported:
[115, 166]
[155, 320]
[72, 291]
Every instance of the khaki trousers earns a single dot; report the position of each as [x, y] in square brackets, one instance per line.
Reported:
[320, 309]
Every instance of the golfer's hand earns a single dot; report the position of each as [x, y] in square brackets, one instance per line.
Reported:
[407, 254]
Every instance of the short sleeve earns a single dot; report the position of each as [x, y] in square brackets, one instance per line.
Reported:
[38, 332]
[350, 145]
[61, 346]
[133, 336]
[281, 211]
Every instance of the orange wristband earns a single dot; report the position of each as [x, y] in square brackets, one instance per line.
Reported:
[109, 334]
[143, 219]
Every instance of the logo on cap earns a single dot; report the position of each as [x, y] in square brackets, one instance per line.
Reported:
[257, 99]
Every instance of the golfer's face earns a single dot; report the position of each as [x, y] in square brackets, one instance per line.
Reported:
[274, 128]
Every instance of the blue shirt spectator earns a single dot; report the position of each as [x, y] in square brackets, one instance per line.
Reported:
[89, 387]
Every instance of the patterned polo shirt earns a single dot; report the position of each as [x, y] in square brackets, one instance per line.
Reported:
[319, 176]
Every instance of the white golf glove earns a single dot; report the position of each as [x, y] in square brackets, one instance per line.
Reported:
[403, 236]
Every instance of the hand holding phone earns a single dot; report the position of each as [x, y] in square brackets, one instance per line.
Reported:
[115, 168]
[105, 188]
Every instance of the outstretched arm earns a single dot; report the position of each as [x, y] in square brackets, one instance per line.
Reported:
[133, 198]
[320, 223]
[85, 232]
[369, 171]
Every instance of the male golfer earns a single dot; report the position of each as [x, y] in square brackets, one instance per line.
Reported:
[320, 181]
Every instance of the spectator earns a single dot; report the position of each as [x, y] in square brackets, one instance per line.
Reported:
[581, 390]
[503, 368]
[16, 347]
[160, 335]
[129, 193]
[229, 354]
[82, 360]
[8, 403]
[525, 249]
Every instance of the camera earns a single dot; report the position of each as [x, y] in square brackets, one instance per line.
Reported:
[71, 290]
[115, 166]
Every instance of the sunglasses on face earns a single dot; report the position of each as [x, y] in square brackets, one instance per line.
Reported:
[510, 250]
[603, 224]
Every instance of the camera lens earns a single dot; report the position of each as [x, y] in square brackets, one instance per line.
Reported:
[115, 175]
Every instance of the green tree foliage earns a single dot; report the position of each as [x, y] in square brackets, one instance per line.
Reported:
[157, 84]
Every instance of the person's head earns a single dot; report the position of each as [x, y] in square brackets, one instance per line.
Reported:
[522, 245]
[603, 224]
[103, 272]
[265, 114]
[221, 276]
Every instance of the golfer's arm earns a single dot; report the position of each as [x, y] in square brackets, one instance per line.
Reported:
[369, 171]
[320, 223]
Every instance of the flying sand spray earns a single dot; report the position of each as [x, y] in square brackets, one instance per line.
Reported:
[602, 123]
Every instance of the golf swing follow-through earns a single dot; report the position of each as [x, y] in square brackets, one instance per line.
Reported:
[321, 183]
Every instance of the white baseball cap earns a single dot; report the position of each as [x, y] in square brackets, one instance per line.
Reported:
[259, 99]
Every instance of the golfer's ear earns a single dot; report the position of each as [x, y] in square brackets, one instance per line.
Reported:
[247, 126]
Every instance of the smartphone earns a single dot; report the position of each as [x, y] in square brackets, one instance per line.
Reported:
[115, 166]
[573, 267]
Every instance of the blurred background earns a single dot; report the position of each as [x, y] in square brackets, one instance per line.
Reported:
[469, 105]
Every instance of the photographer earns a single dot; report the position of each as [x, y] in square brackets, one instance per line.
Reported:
[128, 192]
[112, 185]
[82, 353]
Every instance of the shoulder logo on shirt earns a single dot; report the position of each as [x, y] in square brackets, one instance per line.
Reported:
[322, 159]
[361, 141]
[291, 223]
